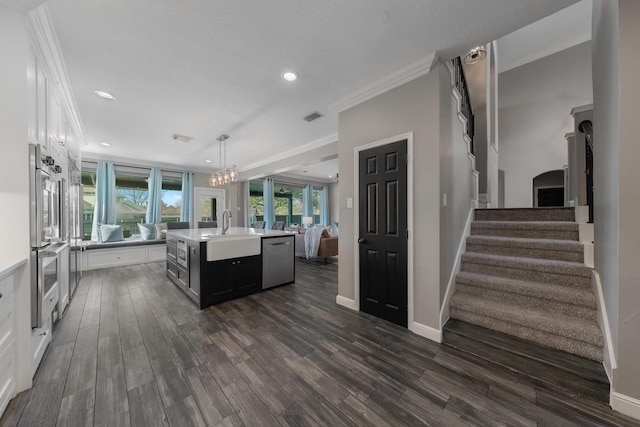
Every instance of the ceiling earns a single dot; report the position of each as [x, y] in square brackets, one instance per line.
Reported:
[204, 68]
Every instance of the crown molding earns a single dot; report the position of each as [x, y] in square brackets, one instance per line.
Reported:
[401, 76]
[45, 41]
[299, 150]
[22, 6]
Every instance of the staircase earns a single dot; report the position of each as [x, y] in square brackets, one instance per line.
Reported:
[524, 275]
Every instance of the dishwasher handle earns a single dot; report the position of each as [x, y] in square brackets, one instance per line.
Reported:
[279, 244]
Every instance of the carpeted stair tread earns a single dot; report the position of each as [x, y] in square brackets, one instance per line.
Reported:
[557, 368]
[526, 214]
[534, 269]
[559, 342]
[564, 250]
[539, 320]
[532, 302]
[558, 230]
[552, 292]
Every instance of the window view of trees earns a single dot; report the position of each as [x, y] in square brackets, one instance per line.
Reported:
[132, 198]
[288, 203]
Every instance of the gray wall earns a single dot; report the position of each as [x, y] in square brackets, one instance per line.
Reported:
[456, 180]
[334, 205]
[535, 102]
[412, 107]
[616, 174]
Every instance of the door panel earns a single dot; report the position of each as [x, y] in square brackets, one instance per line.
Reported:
[383, 231]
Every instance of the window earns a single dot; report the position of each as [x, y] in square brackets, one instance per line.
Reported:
[256, 202]
[89, 200]
[132, 197]
[171, 198]
[317, 202]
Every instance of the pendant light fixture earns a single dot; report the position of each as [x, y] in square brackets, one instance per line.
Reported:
[224, 175]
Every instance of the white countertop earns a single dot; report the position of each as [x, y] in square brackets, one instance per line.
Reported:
[205, 234]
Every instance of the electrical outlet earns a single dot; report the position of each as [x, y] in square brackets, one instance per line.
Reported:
[349, 202]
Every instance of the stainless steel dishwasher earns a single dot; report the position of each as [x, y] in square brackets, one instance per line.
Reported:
[278, 262]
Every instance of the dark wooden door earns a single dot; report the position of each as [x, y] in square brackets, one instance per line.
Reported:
[383, 231]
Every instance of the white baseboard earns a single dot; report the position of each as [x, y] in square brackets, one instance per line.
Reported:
[426, 332]
[346, 302]
[625, 405]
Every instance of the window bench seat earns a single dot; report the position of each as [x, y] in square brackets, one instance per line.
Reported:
[126, 252]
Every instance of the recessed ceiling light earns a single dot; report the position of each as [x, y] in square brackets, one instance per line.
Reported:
[105, 144]
[330, 176]
[207, 161]
[105, 95]
[290, 76]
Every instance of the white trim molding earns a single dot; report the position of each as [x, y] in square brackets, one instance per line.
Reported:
[356, 218]
[412, 71]
[298, 150]
[625, 405]
[426, 331]
[346, 302]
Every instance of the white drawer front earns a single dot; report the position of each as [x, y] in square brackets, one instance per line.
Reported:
[157, 252]
[50, 300]
[6, 290]
[6, 327]
[40, 338]
[105, 258]
[7, 377]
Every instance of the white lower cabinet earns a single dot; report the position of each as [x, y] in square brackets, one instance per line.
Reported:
[7, 342]
[94, 259]
[41, 337]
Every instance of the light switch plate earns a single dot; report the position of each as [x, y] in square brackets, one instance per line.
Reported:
[349, 202]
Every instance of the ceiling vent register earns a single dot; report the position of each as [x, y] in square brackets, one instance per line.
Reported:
[313, 116]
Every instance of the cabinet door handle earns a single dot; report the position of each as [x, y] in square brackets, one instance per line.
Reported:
[0, 294]
[44, 333]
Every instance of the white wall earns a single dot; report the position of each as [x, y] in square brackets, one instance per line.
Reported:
[616, 203]
[535, 101]
[14, 179]
[412, 107]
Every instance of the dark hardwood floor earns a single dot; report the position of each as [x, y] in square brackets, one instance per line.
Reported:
[132, 349]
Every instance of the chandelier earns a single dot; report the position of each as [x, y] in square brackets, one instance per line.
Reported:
[224, 175]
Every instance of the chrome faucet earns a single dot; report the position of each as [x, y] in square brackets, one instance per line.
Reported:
[226, 220]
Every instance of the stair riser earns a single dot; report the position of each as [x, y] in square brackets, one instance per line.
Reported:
[559, 255]
[555, 341]
[525, 214]
[527, 274]
[587, 313]
[526, 233]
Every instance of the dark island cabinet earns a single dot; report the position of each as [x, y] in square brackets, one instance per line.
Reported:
[196, 267]
[231, 278]
[210, 282]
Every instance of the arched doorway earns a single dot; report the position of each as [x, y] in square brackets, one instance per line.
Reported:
[548, 189]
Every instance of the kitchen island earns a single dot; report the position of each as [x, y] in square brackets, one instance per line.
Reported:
[211, 267]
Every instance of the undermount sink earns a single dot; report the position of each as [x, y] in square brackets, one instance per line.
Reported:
[229, 246]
